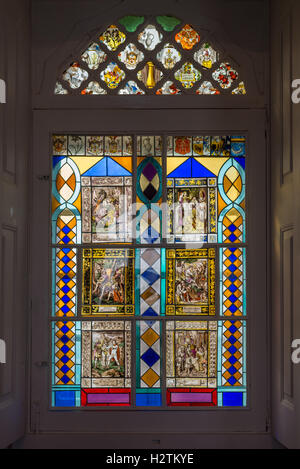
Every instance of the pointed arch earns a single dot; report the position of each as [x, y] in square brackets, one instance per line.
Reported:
[232, 225]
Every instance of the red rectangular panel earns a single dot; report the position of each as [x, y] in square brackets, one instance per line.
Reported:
[177, 397]
[117, 398]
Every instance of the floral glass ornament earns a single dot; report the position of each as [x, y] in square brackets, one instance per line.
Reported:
[225, 75]
[168, 88]
[112, 38]
[169, 56]
[188, 75]
[187, 37]
[112, 75]
[93, 88]
[131, 56]
[75, 75]
[206, 56]
[150, 37]
[131, 88]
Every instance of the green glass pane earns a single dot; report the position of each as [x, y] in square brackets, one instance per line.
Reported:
[131, 23]
[168, 23]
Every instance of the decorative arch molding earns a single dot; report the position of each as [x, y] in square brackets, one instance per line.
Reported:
[88, 30]
[66, 217]
[66, 223]
[232, 225]
[232, 219]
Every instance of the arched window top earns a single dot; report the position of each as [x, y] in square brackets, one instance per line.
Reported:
[159, 55]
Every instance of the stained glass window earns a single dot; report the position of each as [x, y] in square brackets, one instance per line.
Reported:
[160, 55]
[149, 268]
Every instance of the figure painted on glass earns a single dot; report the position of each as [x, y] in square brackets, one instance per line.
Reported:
[191, 281]
[191, 354]
[108, 282]
[180, 211]
[108, 355]
[191, 211]
[106, 210]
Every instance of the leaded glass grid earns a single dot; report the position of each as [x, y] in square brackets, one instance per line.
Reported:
[149, 246]
[144, 55]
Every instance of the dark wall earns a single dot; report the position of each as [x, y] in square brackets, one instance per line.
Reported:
[15, 137]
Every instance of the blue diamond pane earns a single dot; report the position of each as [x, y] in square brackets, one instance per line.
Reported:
[65, 349]
[232, 360]
[65, 369]
[232, 370]
[232, 381]
[232, 288]
[66, 259]
[232, 238]
[150, 276]
[66, 279]
[66, 239]
[65, 299]
[65, 289]
[232, 350]
[232, 268]
[232, 228]
[232, 329]
[233, 309]
[65, 379]
[151, 235]
[65, 309]
[150, 357]
[66, 230]
[65, 329]
[150, 312]
[232, 258]
[65, 339]
[232, 340]
[232, 298]
[232, 278]
[66, 269]
[65, 359]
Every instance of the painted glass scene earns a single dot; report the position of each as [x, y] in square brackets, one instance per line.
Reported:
[191, 282]
[108, 282]
[149, 264]
[108, 355]
[191, 353]
[123, 59]
[106, 370]
[206, 189]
